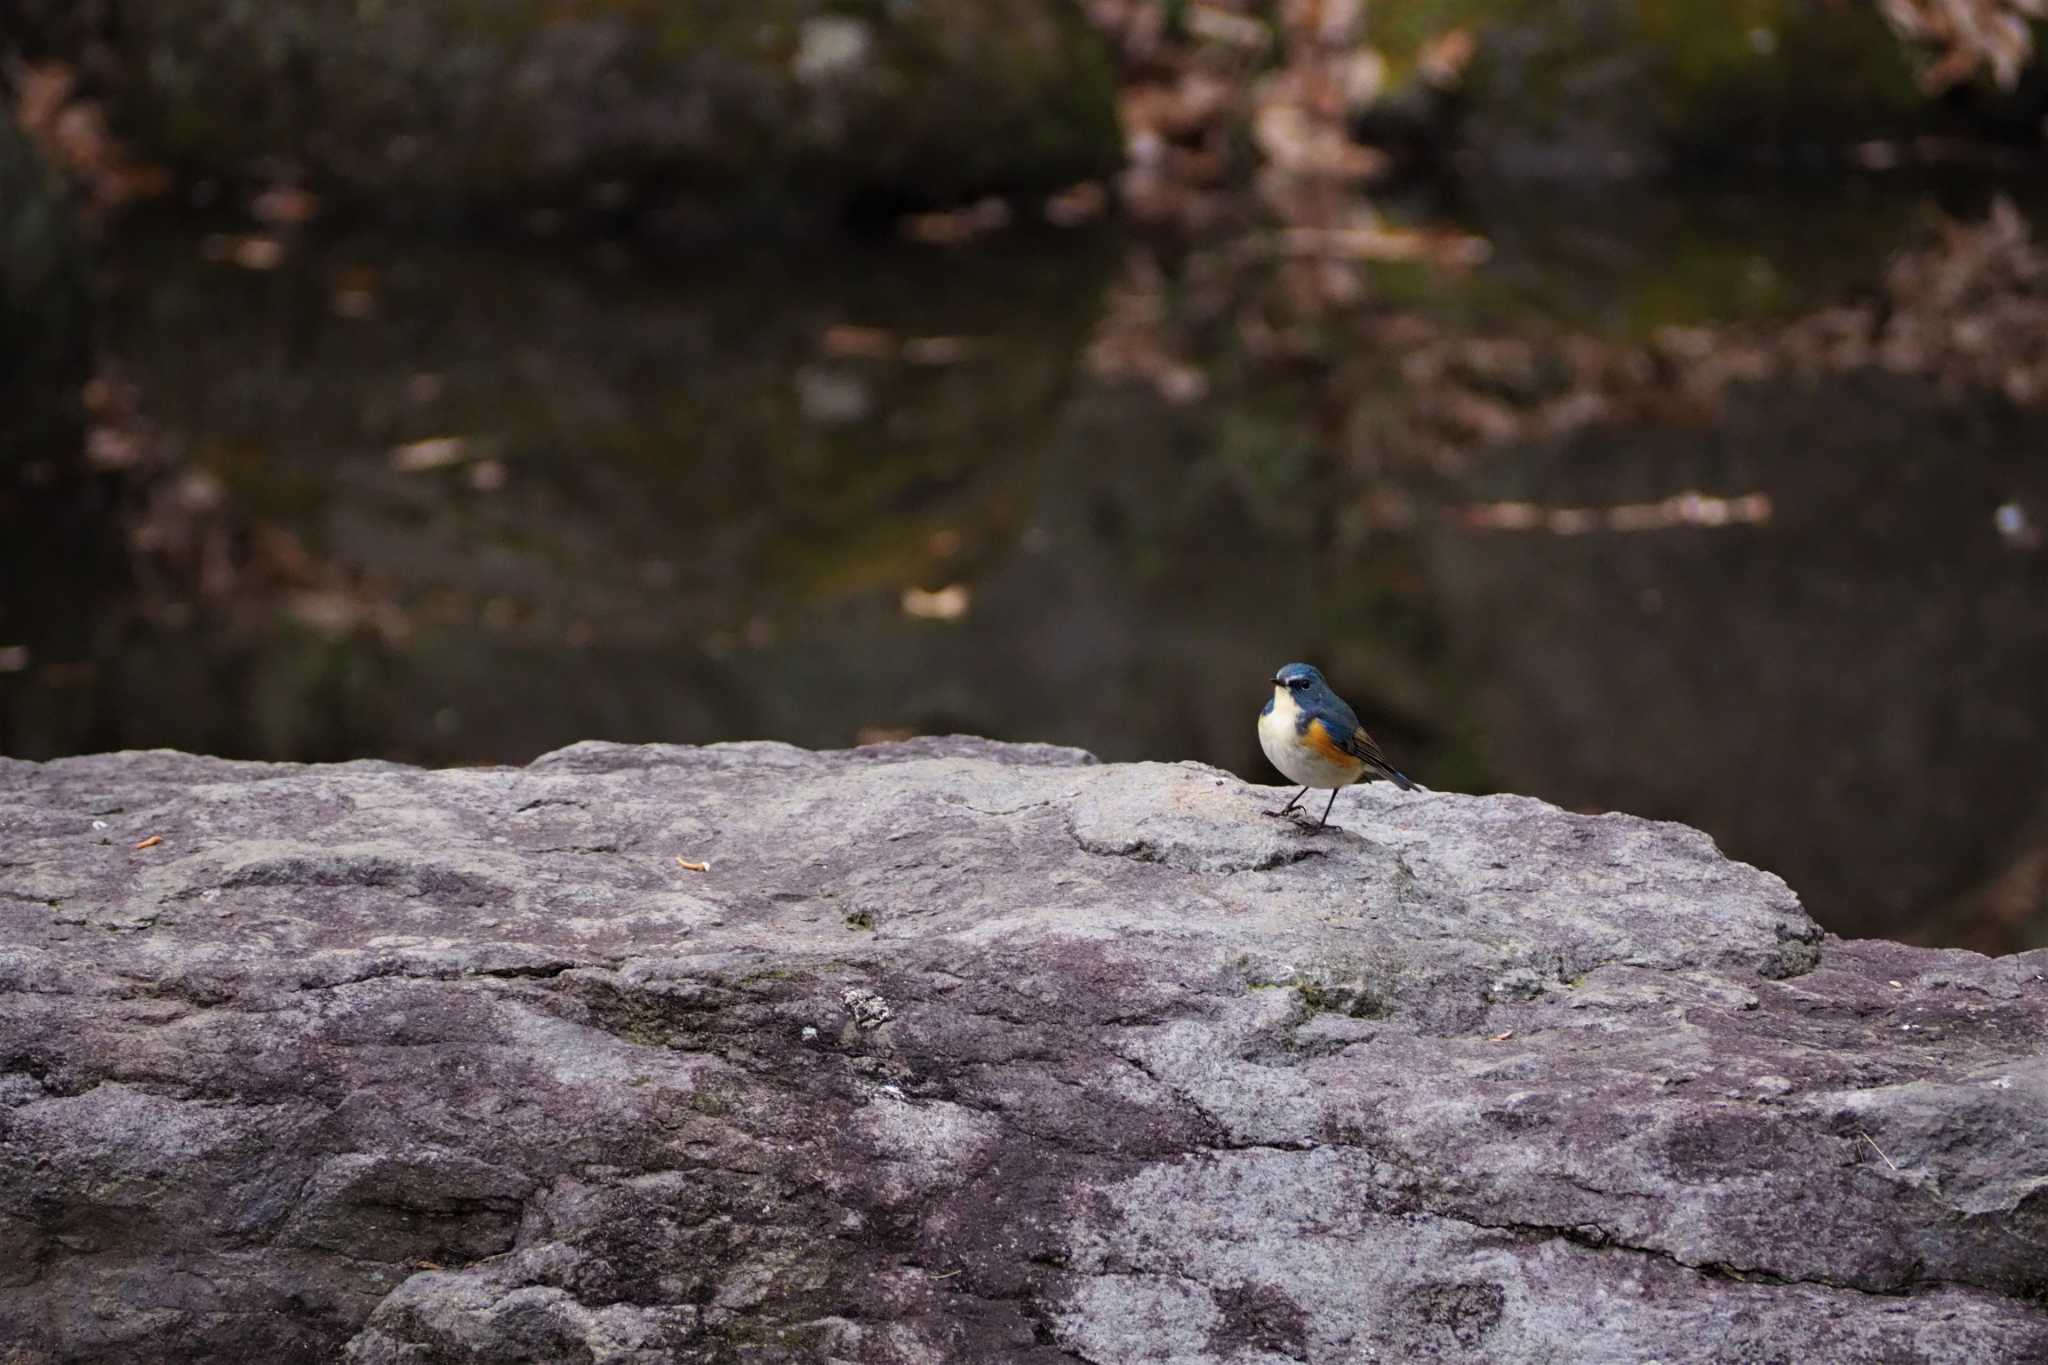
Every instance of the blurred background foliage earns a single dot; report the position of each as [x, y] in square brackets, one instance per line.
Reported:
[1638, 403]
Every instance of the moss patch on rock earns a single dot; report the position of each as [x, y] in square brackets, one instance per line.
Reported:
[1607, 84]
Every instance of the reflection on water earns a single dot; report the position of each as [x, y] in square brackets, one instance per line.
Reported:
[462, 504]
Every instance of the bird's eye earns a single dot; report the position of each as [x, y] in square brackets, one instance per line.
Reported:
[1296, 684]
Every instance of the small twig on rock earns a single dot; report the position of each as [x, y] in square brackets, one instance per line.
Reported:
[1875, 1148]
[688, 866]
[151, 842]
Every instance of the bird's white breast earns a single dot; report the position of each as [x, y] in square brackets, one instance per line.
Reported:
[1291, 754]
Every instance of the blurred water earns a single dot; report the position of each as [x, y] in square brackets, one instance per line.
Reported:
[459, 504]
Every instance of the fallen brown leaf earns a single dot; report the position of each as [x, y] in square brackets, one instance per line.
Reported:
[151, 842]
[949, 603]
[688, 866]
[41, 93]
[935, 350]
[845, 339]
[959, 225]
[433, 453]
[257, 253]
[285, 206]
[1444, 58]
[1077, 204]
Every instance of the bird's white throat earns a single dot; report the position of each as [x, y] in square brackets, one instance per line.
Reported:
[1284, 709]
[1280, 737]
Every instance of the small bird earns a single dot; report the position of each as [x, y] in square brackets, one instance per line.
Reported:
[1315, 739]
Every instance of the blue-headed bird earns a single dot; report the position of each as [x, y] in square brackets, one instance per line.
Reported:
[1315, 739]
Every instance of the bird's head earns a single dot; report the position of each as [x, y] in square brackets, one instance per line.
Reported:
[1297, 680]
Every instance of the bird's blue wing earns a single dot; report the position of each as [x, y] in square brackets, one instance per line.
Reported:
[1338, 718]
[1342, 723]
[1361, 746]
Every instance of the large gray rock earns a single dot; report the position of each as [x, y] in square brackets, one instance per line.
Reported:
[963, 1052]
[1611, 87]
[724, 111]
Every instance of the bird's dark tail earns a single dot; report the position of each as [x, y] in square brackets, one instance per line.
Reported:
[1394, 775]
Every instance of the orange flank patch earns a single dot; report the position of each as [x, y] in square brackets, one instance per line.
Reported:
[1319, 739]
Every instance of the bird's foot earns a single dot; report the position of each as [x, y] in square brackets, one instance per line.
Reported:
[1301, 821]
[1292, 802]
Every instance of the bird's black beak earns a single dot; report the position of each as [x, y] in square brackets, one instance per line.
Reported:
[1277, 681]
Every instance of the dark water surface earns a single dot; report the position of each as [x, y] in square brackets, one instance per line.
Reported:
[667, 501]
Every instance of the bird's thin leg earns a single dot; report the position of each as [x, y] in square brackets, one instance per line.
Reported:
[1326, 809]
[1290, 805]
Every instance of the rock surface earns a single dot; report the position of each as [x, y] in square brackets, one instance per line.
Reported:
[1605, 87]
[732, 114]
[966, 1052]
